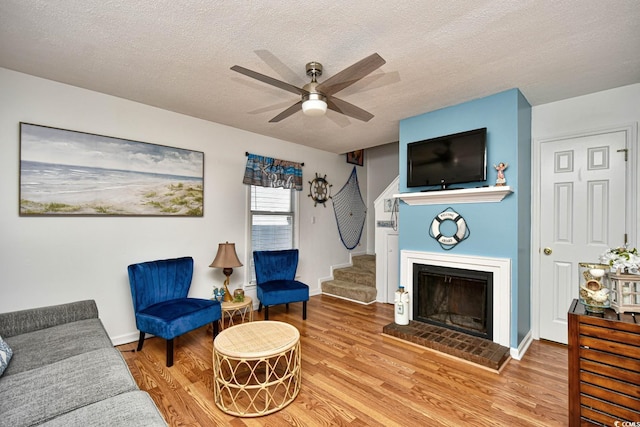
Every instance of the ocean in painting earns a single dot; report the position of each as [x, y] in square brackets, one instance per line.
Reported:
[48, 188]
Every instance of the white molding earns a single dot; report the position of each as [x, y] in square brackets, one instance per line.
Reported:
[518, 353]
[500, 267]
[127, 338]
[348, 299]
[463, 195]
[315, 292]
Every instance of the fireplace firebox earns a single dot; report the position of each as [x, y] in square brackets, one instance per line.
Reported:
[454, 298]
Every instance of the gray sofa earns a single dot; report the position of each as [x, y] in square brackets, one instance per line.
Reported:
[66, 372]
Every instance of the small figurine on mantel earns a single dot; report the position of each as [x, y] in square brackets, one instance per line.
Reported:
[501, 180]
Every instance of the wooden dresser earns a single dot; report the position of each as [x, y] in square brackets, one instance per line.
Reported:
[604, 367]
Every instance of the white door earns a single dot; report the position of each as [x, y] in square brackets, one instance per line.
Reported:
[393, 266]
[582, 213]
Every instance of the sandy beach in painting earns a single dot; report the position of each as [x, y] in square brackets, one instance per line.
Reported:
[176, 198]
[50, 189]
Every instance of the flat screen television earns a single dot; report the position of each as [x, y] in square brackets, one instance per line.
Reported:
[448, 160]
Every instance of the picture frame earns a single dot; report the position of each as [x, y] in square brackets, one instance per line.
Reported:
[356, 157]
[71, 173]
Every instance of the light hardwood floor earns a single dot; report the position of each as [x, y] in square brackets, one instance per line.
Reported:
[354, 376]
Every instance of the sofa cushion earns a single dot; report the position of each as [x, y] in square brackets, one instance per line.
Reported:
[5, 355]
[32, 319]
[135, 408]
[39, 348]
[43, 393]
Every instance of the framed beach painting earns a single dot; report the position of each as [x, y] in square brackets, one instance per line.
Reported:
[65, 172]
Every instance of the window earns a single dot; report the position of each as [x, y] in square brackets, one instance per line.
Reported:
[272, 215]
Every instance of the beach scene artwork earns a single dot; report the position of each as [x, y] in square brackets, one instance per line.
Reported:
[65, 172]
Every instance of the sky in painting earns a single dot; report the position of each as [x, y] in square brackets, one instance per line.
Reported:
[51, 145]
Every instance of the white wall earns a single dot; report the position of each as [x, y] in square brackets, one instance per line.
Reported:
[382, 169]
[51, 260]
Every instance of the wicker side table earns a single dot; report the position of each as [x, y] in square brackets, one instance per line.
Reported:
[230, 309]
[256, 368]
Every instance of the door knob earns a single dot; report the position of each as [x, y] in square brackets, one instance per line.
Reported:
[547, 251]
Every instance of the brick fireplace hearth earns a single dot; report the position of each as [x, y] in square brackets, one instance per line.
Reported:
[473, 349]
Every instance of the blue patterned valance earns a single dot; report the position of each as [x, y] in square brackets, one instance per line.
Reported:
[270, 172]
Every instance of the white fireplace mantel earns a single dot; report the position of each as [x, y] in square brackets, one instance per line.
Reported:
[500, 267]
[462, 195]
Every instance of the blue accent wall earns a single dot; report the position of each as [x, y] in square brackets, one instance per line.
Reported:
[501, 229]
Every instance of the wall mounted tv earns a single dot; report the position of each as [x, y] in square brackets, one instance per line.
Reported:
[448, 160]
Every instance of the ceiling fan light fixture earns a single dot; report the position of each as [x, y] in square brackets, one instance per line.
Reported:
[315, 103]
[314, 107]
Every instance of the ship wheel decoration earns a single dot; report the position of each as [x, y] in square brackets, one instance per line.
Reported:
[319, 190]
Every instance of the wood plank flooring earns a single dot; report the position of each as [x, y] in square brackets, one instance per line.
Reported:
[353, 376]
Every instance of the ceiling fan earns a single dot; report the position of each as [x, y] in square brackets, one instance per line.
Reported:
[317, 97]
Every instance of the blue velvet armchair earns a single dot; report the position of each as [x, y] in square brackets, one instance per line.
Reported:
[162, 308]
[275, 277]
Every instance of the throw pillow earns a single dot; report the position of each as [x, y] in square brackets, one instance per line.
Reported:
[5, 355]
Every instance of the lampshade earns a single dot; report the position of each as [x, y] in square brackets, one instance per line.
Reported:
[314, 107]
[226, 256]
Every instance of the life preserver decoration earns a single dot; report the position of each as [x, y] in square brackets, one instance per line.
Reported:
[462, 231]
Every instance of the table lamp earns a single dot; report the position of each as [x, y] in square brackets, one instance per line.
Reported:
[226, 258]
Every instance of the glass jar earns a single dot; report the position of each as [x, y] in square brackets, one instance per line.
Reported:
[594, 287]
[238, 295]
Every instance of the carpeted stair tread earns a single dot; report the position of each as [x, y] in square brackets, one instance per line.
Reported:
[356, 275]
[362, 293]
[367, 262]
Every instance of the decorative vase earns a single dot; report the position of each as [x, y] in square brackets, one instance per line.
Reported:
[594, 289]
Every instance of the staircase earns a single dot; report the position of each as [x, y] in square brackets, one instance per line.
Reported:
[355, 283]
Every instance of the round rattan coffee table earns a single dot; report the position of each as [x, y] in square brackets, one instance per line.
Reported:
[256, 368]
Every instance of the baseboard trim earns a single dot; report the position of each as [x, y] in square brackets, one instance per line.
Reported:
[518, 353]
[348, 299]
[127, 338]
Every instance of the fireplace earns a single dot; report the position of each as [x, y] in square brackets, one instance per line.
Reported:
[454, 298]
[499, 308]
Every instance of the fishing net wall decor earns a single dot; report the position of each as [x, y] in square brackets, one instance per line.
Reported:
[350, 211]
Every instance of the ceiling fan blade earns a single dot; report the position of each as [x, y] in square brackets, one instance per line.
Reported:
[269, 80]
[351, 74]
[286, 113]
[282, 70]
[348, 109]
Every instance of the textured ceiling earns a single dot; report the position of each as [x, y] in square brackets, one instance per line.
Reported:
[176, 55]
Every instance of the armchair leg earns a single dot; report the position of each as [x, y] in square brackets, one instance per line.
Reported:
[216, 328]
[170, 353]
[259, 307]
[140, 341]
[304, 310]
[266, 312]
[287, 307]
